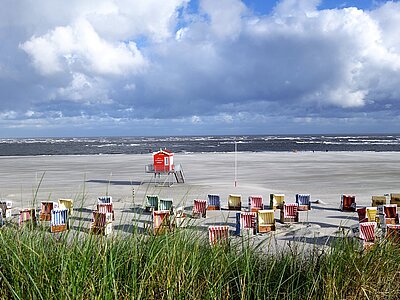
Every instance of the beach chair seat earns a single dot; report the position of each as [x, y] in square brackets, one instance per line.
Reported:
[214, 202]
[255, 203]
[106, 208]
[378, 200]
[362, 214]
[395, 198]
[276, 201]
[5, 208]
[304, 202]
[348, 203]
[265, 220]
[45, 210]
[27, 216]
[161, 221]
[367, 233]
[101, 223]
[234, 202]
[289, 213]
[199, 208]
[393, 232]
[371, 214]
[68, 204]
[391, 216]
[218, 235]
[59, 220]
[165, 204]
[246, 222]
[151, 202]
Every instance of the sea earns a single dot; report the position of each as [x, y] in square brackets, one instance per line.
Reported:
[196, 144]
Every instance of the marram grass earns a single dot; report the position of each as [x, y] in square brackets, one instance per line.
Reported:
[181, 265]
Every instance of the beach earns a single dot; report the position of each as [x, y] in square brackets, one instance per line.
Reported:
[324, 175]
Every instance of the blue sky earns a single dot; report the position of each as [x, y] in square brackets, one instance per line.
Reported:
[181, 67]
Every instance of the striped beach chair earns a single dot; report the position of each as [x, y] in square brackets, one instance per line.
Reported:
[367, 233]
[289, 213]
[395, 199]
[161, 221]
[265, 220]
[104, 199]
[152, 202]
[255, 203]
[27, 216]
[101, 223]
[393, 232]
[378, 200]
[106, 208]
[165, 204]
[218, 235]
[214, 202]
[304, 201]
[276, 201]
[371, 214]
[45, 210]
[68, 204]
[247, 222]
[348, 203]
[199, 208]
[234, 202]
[59, 220]
[390, 211]
[362, 214]
[5, 208]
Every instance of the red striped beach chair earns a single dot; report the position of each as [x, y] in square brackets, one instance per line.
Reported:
[393, 232]
[289, 213]
[214, 202]
[101, 223]
[390, 211]
[276, 201]
[45, 210]
[367, 233]
[5, 208]
[255, 203]
[234, 202]
[304, 202]
[27, 216]
[378, 200]
[248, 222]
[106, 208]
[218, 235]
[59, 220]
[161, 221]
[348, 203]
[68, 204]
[265, 220]
[199, 208]
[362, 214]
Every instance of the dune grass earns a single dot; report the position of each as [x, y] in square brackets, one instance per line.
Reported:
[181, 265]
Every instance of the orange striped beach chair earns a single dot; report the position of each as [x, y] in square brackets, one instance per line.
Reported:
[289, 213]
[218, 235]
[27, 216]
[255, 203]
[59, 220]
[161, 221]
[367, 233]
[101, 223]
[199, 208]
[348, 203]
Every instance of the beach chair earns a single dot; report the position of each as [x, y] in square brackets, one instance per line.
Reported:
[101, 223]
[104, 199]
[180, 218]
[5, 208]
[199, 208]
[68, 204]
[27, 216]
[165, 204]
[234, 202]
[378, 200]
[214, 202]
[304, 201]
[390, 211]
[371, 214]
[395, 199]
[393, 232]
[276, 201]
[106, 208]
[161, 221]
[362, 214]
[45, 210]
[265, 220]
[247, 222]
[367, 233]
[59, 220]
[348, 203]
[255, 203]
[152, 202]
[289, 213]
[218, 235]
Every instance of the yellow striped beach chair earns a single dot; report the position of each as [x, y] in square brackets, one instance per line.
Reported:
[378, 200]
[371, 214]
[234, 202]
[68, 204]
[266, 220]
[276, 201]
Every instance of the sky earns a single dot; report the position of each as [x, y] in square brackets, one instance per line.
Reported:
[198, 67]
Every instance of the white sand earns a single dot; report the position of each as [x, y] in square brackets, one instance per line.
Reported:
[325, 175]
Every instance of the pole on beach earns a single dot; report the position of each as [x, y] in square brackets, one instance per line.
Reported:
[235, 180]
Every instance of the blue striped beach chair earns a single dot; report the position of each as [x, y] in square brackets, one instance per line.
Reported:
[304, 201]
[165, 204]
[59, 220]
[214, 202]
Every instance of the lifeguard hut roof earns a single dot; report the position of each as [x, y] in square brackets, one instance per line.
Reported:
[165, 151]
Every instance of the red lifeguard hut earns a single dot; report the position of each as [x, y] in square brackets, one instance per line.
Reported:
[163, 164]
